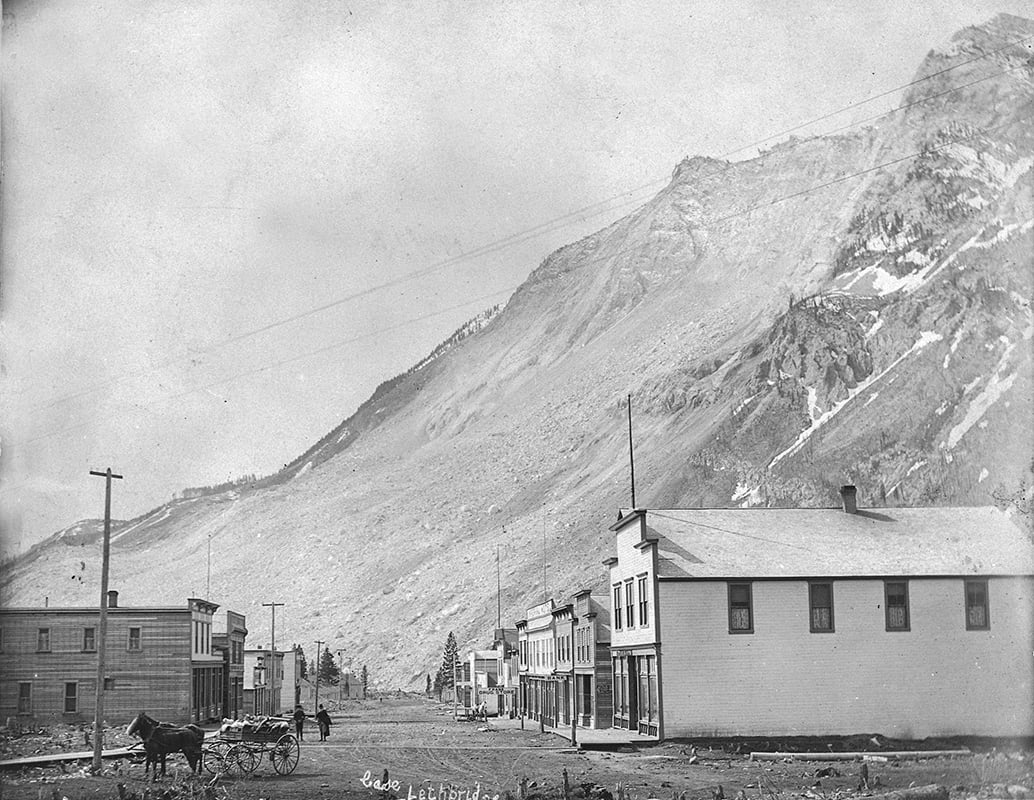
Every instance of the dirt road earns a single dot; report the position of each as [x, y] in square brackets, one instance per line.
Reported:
[423, 748]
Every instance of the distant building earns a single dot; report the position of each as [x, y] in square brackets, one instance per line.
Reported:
[263, 679]
[592, 664]
[229, 640]
[490, 676]
[564, 663]
[537, 659]
[909, 622]
[157, 659]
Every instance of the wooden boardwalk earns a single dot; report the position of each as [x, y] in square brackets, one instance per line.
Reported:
[58, 758]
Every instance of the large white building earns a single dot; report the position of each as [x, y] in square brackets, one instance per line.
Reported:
[910, 622]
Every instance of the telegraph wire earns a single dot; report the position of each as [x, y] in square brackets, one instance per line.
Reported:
[282, 362]
[626, 251]
[585, 213]
[726, 530]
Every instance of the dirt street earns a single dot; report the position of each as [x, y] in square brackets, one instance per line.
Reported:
[423, 748]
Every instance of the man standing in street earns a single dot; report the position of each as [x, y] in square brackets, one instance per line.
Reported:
[324, 722]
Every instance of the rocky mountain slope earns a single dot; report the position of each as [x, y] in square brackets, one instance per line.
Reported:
[849, 308]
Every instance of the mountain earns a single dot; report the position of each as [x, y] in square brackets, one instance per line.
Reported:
[853, 308]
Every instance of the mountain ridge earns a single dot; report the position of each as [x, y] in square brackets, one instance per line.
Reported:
[777, 339]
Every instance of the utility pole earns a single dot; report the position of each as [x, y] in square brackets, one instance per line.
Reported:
[272, 636]
[317, 700]
[498, 589]
[574, 683]
[98, 709]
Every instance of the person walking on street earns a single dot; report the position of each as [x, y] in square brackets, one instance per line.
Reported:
[324, 722]
[299, 720]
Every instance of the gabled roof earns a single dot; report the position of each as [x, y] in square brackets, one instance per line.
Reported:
[826, 542]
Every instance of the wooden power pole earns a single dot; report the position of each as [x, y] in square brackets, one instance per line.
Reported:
[98, 708]
[316, 702]
[272, 648]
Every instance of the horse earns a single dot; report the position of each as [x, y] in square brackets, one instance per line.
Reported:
[161, 738]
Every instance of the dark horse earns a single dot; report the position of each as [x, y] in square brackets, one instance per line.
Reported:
[160, 739]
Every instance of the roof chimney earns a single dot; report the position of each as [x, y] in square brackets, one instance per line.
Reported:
[849, 496]
[112, 598]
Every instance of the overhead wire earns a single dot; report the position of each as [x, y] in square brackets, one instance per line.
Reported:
[501, 242]
[617, 254]
[556, 223]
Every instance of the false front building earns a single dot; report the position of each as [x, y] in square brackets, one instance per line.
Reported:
[564, 663]
[157, 659]
[910, 622]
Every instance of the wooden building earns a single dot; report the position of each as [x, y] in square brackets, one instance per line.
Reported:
[263, 679]
[537, 660]
[157, 659]
[564, 663]
[229, 642]
[909, 622]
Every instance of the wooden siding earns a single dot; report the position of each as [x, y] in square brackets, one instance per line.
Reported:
[937, 679]
[155, 678]
[632, 562]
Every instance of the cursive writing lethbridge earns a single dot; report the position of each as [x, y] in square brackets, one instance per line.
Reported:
[426, 793]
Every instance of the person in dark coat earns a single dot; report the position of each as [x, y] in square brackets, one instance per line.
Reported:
[299, 720]
[324, 722]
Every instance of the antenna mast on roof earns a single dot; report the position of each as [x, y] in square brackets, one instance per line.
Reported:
[631, 456]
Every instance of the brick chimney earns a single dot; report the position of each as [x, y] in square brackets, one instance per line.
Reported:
[849, 496]
[112, 598]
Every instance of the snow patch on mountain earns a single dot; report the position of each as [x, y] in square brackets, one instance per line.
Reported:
[925, 338]
[979, 405]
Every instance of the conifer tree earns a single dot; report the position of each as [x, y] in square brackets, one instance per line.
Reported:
[450, 658]
[366, 680]
[328, 668]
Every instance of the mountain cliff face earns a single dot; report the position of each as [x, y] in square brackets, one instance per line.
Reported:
[852, 308]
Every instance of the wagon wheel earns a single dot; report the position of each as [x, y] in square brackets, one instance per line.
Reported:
[285, 754]
[214, 757]
[240, 760]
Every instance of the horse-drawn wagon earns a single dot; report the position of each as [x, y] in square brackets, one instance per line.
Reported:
[242, 744]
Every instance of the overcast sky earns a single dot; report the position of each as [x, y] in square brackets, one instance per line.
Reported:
[182, 177]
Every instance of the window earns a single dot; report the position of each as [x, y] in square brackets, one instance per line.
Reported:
[109, 683]
[25, 698]
[43, 640]
[629, 604]
[643, 603]
[134, 639]
[617, 606]
[89, 640]
[741, 611]
[977, 617]
[821, 601]
[1, 640]
[71, 697]
[897, 605]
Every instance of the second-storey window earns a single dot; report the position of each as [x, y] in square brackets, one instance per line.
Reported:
[821, 603]
[617, 606]
[741, 612]
[89, 640]
[134, 639]
[897, 605]
[629, 604]
[43, 640]
[977, 617]
[644, 603]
